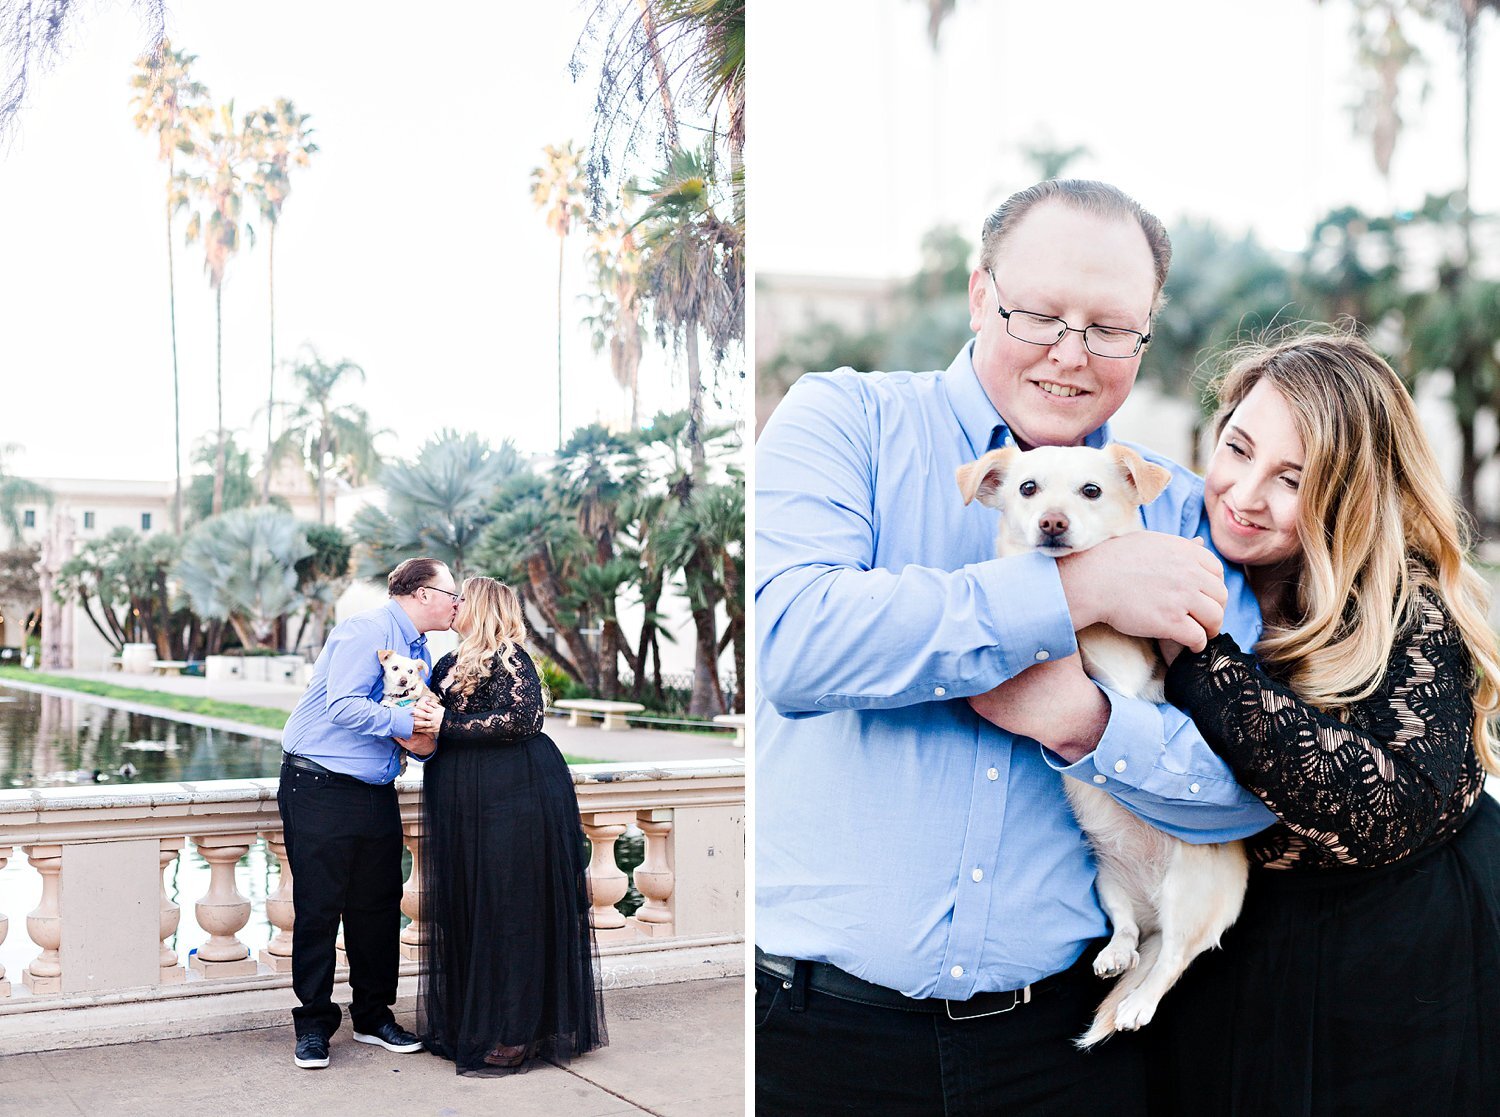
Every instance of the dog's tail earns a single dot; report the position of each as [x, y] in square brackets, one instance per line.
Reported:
[1104, 1019]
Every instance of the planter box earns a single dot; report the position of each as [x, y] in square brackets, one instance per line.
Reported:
[136, 659]
[290, 669]
[217, 668]
[257, 669]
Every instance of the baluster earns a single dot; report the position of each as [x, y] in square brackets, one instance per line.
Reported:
[223, 911]
[44, 925]
[655, 877]
[607, 881]
[5, 852]
[277, 954]
[170, 969]
[415, 936]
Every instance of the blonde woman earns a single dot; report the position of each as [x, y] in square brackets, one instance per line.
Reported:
[512, 968]
[1364, 974]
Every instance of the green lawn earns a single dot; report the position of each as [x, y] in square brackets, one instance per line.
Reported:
[207, 707]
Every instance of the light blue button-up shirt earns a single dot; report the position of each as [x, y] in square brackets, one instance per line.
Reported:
[899, 836]
[339, 722]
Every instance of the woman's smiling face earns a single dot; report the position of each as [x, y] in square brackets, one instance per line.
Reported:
[1252, 487]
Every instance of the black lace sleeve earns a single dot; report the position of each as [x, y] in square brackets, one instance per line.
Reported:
[1393, 776]
[503, 707]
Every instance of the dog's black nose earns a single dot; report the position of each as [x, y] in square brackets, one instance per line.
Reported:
[1053, 524]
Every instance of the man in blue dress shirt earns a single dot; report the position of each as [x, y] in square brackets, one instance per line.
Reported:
[342, 753]
[925, 901]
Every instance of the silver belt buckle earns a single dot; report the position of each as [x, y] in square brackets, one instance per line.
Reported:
[1018, 997]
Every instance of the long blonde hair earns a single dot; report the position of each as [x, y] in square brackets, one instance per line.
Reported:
[496, 626]
[1373, 498]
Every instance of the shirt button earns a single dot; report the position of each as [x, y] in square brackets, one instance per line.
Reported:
[1101, 778]
[1193, 788]
[1043, 654]
[993, 773]
[939, 691]
[957, 971]
[1119, 765]
[978, 875]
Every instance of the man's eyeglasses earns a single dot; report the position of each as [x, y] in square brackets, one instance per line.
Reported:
[1044, 329]
[457, 597]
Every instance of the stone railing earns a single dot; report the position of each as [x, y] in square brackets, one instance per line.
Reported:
[105, 917]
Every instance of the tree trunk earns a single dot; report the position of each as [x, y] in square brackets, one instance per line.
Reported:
[545, 590]
[561, 241]
[648, 25]
[1468, 464]
[218, 503]
[695, 401]
[176, 389]
[265, 484]
[322, 468]
[708, 698]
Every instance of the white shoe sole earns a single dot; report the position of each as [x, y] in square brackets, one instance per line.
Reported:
[310, 1064]
[398, 1048]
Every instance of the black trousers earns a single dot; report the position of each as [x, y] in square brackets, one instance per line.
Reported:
[343, 842]
[817, 1054]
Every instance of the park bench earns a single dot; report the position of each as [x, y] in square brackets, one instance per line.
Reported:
[736, 722]
[613, 713]
[114, 663]
[168, 666]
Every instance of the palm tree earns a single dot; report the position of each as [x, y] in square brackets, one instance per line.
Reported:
[325, 435]
[13, 492]
[557, 186]
[242, 567]
[693, 267]
[437, 505]
[614, 263]
[717, 30]
[280, 135]
[164, 103]
[226, 153]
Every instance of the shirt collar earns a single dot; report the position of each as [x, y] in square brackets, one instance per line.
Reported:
[984, 427]
[413, 638]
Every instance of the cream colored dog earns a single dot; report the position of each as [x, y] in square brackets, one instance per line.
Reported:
[405, 679]
[1167, 900]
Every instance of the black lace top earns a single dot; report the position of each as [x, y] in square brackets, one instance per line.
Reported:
[503, 707]
[1397, 774]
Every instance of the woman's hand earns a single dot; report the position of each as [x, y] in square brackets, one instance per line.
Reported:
[427, 716]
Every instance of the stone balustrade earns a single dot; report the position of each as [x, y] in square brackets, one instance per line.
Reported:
[105, 921]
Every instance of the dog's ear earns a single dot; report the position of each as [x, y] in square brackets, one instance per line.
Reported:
[981, 480]
[384, 654]
[422, 667]
[1148, 479]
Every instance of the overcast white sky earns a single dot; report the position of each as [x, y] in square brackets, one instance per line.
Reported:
[411, 245]
[1235, 110]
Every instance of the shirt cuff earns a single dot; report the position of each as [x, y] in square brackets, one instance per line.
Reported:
[1029, 611]
[1126, 752]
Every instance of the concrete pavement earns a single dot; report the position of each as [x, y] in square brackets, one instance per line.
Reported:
[675, 1051]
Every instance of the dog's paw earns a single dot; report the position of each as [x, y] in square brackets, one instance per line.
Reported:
[1114, 960]
[1135, 1012]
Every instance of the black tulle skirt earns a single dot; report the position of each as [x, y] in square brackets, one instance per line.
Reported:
[1372, 992]
[511, 970]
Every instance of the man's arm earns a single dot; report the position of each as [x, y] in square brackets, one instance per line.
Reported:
[353, 671]
[835, 632]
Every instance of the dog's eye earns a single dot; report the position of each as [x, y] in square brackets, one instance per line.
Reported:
[1028, 488]
[1091, 491]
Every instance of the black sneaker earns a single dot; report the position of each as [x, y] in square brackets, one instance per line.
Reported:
[312, 1051]
[393, 1037]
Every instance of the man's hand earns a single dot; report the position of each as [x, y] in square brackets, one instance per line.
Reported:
[1147, 584]
[418, 744]
[427, 716]
[1054, 703]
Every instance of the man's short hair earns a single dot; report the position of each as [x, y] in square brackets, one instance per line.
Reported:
[1099, 198]
[412, 575]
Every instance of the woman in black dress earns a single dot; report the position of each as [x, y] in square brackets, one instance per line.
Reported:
[1363, 976]
[512, 971]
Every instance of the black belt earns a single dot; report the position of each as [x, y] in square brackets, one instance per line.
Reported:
[846, 987]
[303, 764]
